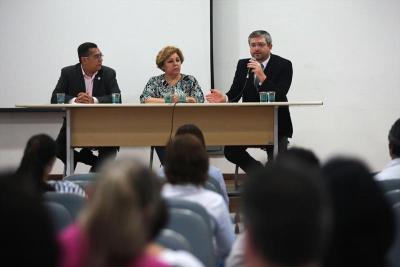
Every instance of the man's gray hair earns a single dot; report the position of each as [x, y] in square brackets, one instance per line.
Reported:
[261, 33]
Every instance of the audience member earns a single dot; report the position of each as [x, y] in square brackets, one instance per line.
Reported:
[112, 230]
[87, 82]
[392, 168]
[37, 163]
[363, 226]
[213, 171]
[25, 228]
[287, 216]
[156, 217]
[305, 156]
[308, 161]
[186, 168]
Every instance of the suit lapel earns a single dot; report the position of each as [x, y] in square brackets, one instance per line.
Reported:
[270, 65]
[81, 81]
[97, 81]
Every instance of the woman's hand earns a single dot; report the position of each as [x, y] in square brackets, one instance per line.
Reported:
[190, 99]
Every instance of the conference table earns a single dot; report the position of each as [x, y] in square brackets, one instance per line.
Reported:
[97, 125]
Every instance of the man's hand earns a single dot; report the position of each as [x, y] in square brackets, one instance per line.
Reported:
[255, 67]
[84, 98]
[215, 96]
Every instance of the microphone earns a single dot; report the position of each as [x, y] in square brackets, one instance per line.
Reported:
[248, 73]
[244, 86]
[248, 69]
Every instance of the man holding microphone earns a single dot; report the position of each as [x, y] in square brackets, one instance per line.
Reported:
[261, 73]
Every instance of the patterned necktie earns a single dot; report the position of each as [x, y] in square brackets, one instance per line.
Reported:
[256, 80]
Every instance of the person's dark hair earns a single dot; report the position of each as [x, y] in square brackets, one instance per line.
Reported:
[191, 129]
[186, 160]
[84, 49]
[25, 228]
[287, 213]
[394, 139]
[306, 156]
[261, 33]
[363, 227]
[39, 153]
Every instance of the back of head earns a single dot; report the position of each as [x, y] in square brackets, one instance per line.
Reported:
[303, 155]
[124, 196]
[191, 129]
[39, 155]
[186, 161]
[363, 227]
[394, 139]
[287, 214]
[25, 228]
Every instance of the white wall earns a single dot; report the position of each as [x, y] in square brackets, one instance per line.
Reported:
[39, 37]
[344, 52]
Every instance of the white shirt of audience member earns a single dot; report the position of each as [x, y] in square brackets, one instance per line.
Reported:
[390, 171]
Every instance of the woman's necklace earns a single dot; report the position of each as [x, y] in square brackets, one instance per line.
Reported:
[174, 81]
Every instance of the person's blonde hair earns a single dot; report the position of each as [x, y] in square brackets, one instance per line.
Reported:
[113, 220]
[165, 53]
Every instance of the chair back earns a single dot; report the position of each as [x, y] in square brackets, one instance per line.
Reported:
[91, 176]
[193, 227]
[72, 202]
[192, 206]
[393, 196]
[389, 184]
[58, 214]
[173, 240]
[394, 252]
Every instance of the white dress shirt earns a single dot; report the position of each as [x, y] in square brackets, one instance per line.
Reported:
[391, 170]
[179, 258]
[213, 172]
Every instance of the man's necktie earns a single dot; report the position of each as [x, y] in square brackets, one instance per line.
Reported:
[256, 80]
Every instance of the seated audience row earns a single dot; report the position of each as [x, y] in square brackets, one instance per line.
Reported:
[296, 213]
[299, 215]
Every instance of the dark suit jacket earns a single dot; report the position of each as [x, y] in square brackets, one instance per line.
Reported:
[279, 74]
[71, 83]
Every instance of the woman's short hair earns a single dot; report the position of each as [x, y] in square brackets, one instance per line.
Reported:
[186, 160]
[165, 53]
[191, 129]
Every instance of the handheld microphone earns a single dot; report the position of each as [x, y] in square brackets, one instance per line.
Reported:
[244, 86]
[248, 69]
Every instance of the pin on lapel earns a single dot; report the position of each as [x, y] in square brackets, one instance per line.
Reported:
[98, 78]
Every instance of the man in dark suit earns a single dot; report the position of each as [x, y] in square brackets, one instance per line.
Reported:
[87, 82]
[263, 72]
